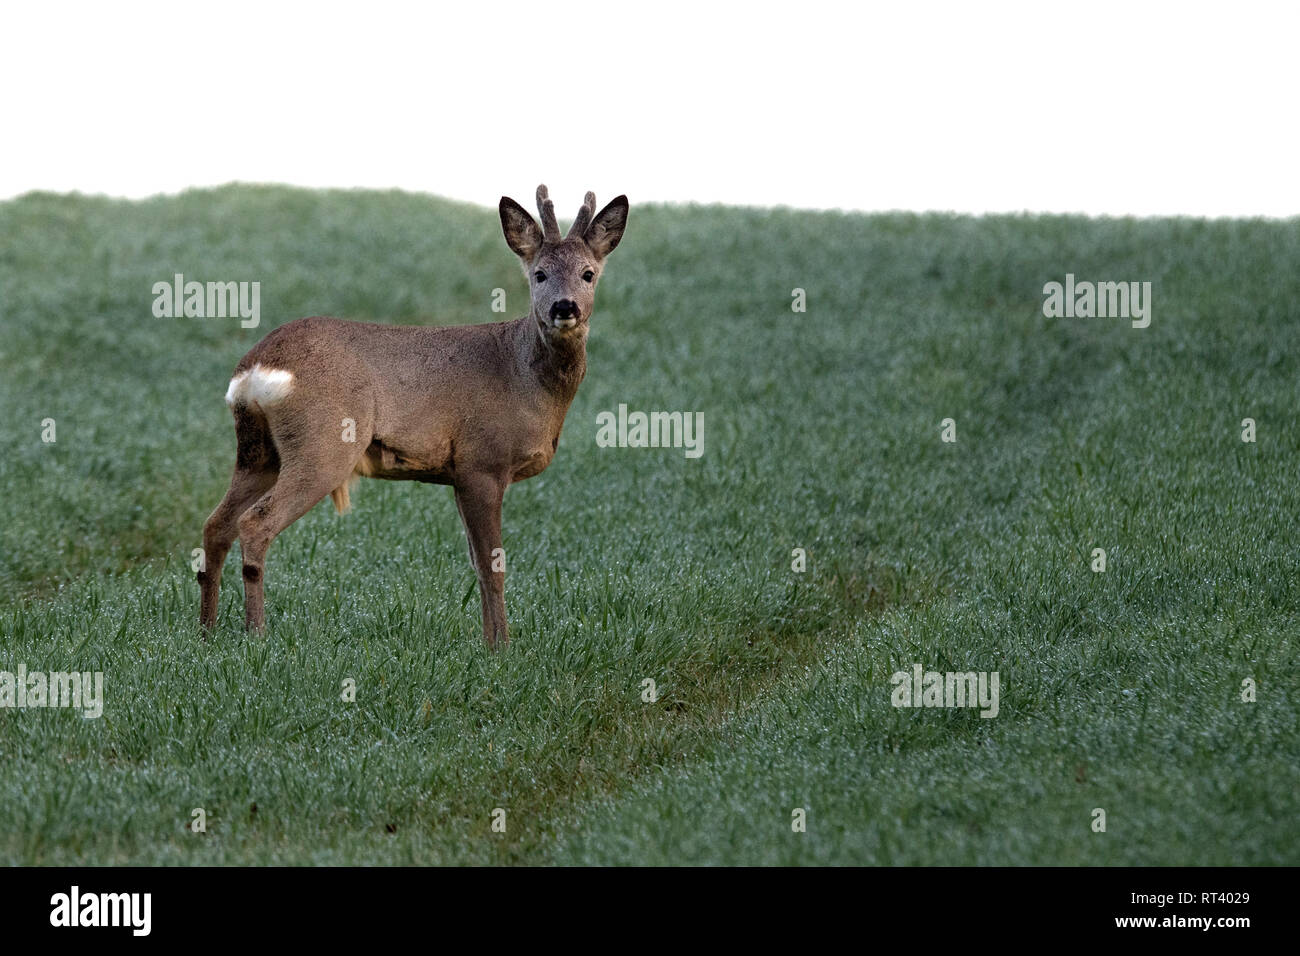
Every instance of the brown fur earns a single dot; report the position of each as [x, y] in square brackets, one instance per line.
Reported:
[342, 498]
[476, 407]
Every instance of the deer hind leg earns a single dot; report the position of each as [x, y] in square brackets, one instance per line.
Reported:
[479, 501]
[320, 446]
[298, 489]
[220, 532]
[314, 432]
[256, 465]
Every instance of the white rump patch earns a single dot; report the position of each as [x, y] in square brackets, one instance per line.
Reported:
[265, 386]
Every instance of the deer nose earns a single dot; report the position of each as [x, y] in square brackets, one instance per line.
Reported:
[564, 309]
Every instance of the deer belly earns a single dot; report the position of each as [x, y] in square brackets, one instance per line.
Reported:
[406, 464]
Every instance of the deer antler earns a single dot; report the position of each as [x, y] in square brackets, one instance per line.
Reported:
[583, 219]
[550, 227]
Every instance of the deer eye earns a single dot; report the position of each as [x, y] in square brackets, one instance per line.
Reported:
[588, 275]
[539, 275]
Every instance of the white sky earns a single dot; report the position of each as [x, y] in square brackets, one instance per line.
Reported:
[1102, 108]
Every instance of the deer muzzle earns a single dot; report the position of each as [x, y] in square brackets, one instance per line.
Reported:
[564, 314]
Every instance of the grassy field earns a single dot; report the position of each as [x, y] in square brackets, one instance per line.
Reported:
[1119, 690]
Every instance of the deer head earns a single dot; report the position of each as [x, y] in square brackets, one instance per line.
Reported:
[563, 271]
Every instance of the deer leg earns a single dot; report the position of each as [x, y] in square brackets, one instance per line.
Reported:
[219, 533]
[295, 493]
[479, 501]
[460, 508]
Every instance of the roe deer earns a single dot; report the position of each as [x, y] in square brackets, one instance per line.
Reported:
[475, 407]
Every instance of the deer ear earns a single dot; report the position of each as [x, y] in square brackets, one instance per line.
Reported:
[606, 228]
[523, 235]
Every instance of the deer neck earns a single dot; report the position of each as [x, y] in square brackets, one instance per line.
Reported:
[556, 363]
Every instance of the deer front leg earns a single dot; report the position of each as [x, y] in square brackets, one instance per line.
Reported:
[478, 499]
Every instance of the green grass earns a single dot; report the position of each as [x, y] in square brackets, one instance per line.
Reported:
[1119, 690]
